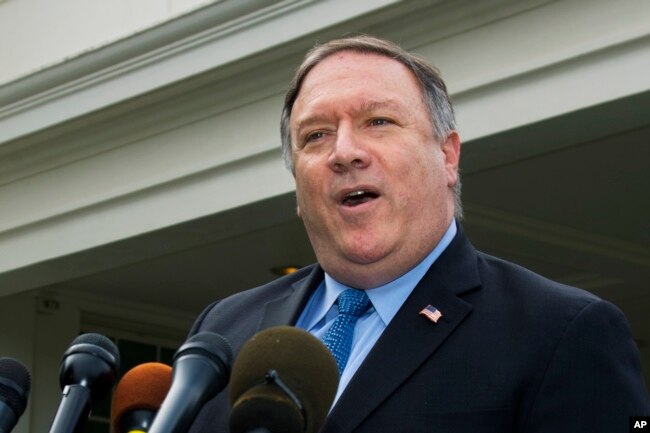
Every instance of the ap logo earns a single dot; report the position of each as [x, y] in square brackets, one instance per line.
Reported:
[640, 424]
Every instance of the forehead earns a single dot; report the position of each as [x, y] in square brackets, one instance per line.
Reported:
[350, 62]
[364, 77]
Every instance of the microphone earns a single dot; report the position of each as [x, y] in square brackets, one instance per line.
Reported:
[201, 369]
[138, 397]
[283, 381]
[87, 372]
[15, 384]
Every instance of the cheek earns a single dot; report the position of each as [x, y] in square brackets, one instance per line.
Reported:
[423, 181]
[306, 190]
[308, 196]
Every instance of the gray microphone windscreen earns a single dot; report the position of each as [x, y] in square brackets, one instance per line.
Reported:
[15, 384]
[284, 379]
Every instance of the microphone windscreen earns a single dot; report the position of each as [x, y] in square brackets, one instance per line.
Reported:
[209, 344]
[98, 340]
[15, 384]
[301, 362]
[143, 387]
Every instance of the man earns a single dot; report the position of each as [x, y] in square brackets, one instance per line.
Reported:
[368, 132]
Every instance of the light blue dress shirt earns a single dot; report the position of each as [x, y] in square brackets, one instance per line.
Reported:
[321, 310]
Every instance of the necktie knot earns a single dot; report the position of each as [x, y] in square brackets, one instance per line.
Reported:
[353, 302]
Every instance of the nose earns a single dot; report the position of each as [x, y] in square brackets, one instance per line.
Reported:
[349, 152]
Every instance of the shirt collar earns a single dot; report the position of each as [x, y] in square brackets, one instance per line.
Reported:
[386, 299]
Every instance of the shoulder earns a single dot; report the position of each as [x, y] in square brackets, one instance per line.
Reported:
[503, 277]
[241, 313]
[579, 347]
[546, 309]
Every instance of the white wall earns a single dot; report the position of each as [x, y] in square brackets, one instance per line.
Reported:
[56, 325]
[36, 333]
[37, 33]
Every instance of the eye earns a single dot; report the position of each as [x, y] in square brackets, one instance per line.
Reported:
[379, 122]
[319, 134]
[314, 136]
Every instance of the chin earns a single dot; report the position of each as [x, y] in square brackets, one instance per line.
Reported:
[365, 256]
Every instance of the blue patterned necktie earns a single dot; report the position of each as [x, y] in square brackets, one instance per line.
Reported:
[338, 339]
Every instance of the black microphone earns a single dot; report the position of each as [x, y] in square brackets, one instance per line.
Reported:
[283, 381]
[15, 384]
[201, 369]
[87, 373]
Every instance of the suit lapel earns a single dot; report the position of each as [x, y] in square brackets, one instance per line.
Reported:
[286, 309]
[410, 339]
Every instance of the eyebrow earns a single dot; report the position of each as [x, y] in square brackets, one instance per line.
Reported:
[365, 107]
[376, 105]
[311, 121]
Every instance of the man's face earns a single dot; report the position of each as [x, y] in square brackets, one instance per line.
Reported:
[372, 183]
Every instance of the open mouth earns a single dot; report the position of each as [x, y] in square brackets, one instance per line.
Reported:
[356, 198]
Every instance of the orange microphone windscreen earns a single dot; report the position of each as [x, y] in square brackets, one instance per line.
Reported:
[143, 387]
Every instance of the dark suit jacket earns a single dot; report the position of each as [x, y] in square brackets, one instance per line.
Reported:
[513, 352]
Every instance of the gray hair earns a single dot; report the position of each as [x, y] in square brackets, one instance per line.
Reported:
[428, 77]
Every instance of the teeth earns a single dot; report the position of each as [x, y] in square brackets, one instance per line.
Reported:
[358, 197]
[355, 193]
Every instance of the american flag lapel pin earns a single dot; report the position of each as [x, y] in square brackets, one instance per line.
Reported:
[431, 313]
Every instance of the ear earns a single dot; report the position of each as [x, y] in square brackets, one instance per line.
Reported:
[451, 151]
[298, 211]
